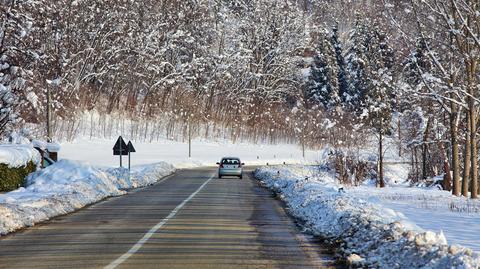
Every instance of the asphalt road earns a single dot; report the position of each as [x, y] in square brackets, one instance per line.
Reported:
[188, 220]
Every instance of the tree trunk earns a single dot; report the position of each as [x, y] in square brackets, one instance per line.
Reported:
[472, 117]
[447, 179]
[303, 146]
[455, 151]
[381, 181]
[466, 160]
[399, 138]
[473, 149]
[425, 150]
[414, 166]
[417, 169]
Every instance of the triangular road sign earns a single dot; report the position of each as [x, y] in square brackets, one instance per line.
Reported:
[130, 147]
[120, 147]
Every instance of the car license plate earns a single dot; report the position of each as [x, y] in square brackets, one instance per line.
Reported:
[230, 166]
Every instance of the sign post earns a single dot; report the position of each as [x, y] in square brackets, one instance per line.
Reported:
[120, 148]
[189, 138]
[130, 150]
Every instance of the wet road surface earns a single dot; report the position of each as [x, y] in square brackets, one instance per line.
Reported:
[188, 220]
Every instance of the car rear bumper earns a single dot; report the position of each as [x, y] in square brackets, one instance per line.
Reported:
[229, 172]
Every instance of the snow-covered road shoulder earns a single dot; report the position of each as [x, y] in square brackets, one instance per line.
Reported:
[67, 186]
[369, 235]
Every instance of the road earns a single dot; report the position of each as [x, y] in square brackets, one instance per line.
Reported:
[188, 220]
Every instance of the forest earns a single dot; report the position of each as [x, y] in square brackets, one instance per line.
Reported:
[310, 72]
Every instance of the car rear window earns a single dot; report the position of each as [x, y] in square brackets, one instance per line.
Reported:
[230, 161]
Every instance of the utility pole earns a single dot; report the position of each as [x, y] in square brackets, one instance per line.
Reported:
[54, 76]
[303, 146]
[49, 127]
[189, 137]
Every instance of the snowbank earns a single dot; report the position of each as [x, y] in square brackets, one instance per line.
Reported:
[370, 235]
[67, 186]
[18, 155]
[431, 209]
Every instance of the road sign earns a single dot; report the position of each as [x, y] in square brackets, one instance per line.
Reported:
[130, 147]
[130, 150]
[120, 147]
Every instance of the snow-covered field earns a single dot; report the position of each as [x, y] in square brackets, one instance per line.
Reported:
[431, 209]
[67, 186]
[373, 234]
[99, 152]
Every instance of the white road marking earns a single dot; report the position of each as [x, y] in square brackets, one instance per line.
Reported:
[153, 230]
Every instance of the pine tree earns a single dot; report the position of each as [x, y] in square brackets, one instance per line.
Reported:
[343, 81]
[380, 93]
[381, 61]
[357, 67]
[323, 86]
[7, 98]
[416, 64]
[13, 29]
[370, 62]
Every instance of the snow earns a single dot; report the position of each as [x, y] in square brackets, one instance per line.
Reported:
[87, 173]
[204, 153]
[39, 144]
[431, 209]
[398, 225]
[371, 234]
[67, 186]
[33, 99]
[18, 155]
[53, 147]
[305, 72]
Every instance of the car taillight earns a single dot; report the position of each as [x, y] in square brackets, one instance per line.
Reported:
[221, 165]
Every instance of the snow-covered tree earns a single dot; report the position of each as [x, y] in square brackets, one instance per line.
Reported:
[323, 85]
[358, 67]
[343, 79]
[417, 64]
[379, 97]
[452, 45]
[370, 62]
[15, 55]
[241, 65]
